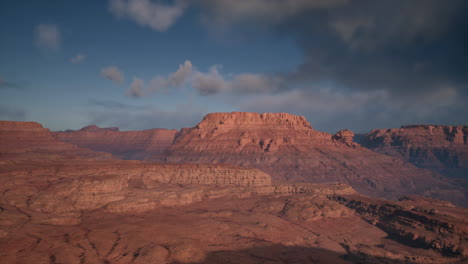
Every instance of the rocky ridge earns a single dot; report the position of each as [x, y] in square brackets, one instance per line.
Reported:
[136, 145]
[30, 140]
[442, 149]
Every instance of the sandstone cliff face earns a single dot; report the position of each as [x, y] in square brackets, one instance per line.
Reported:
[30, 140]
[286, 147]
[123, 144]
[442, 149]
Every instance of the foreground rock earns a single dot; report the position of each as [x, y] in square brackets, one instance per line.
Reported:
[60, 215]
[442, 149]
[286, 147]
[123, 144]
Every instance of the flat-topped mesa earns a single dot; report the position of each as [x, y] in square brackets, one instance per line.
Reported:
[123, 144]
[249, 132]
[254, 120]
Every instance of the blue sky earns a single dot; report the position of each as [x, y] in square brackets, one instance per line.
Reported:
[139, 64]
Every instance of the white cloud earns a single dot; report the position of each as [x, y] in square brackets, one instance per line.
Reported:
[157, 16]
[176, 79]
[47, 36]
[78, 58]
[113, 73]
[136, 88]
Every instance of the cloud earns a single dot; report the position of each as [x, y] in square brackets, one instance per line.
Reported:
[113, 73]
[136, 88]
[12, 113]
[397, 45]
[176, 79]
[157, 16]
[211, 82]
[47, 36]
[208, 83]
[78, 58]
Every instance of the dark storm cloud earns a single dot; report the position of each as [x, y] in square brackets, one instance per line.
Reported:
[404, 47]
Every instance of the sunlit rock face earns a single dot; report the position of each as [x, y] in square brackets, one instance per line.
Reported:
[442, 149]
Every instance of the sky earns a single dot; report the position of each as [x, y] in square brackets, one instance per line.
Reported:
[141, 64]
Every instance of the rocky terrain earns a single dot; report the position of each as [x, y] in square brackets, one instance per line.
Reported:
[136, 145]
[87, 207]
[290, 150]
[443, 149]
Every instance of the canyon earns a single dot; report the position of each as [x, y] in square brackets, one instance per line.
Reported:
[236, 188]
[283, 145]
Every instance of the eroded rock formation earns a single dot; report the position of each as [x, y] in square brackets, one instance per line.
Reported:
[67, 209]
[286, 147]
[442, 149]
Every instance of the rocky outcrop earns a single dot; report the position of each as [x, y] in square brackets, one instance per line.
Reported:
[123, 144]
[443, 149]
[30, 140]
[345, 136]
[287, 148]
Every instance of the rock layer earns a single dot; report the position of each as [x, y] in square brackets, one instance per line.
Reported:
[123, 144]
[442, 149]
